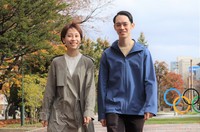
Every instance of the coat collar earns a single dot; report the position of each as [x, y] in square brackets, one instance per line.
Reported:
[136, 48]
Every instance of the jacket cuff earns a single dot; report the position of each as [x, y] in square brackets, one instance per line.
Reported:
[89, 113]
[101, 116]
[44, 116]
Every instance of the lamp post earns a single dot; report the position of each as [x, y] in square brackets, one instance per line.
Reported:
[191, 82]
[22, 107]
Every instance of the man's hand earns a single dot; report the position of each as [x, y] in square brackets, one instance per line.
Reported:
[103, 122]
[44, 123]
[148, 115]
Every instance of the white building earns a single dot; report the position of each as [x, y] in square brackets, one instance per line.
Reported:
[182, 67]
[198, 73]
[3, 104]
[174, 66]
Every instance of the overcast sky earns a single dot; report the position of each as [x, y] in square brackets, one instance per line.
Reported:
[171, 27]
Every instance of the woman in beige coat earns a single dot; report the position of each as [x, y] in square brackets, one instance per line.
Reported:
[69, 98]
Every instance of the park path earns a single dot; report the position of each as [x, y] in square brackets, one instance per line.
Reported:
[147, 128]
[151, 128]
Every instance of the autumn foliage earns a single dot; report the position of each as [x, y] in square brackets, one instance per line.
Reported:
[166, 80]
[174, 80]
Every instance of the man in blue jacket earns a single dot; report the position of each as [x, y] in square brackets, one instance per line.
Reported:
[127, 88]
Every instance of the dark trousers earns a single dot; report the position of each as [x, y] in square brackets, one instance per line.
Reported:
[124, 123]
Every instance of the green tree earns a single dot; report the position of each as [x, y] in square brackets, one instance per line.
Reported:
[30, 30]
[10, 90]
[25, 28]
[34, 86]
[142, 40]
[94, 50]
[38, 62]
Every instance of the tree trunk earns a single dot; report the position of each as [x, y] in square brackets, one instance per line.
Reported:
[7, 110]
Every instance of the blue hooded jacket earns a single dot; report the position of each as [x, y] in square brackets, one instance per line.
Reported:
[126, 85]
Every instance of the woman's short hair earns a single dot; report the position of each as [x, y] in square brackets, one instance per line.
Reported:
[67, 27]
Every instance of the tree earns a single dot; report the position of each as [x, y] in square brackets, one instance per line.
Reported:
[85, 10]
[25, 28]
[30, 30]
[34, 86]
[173, 80]
[94, 50]
[161, 72]
[166, 80]
[10, 90]
[28, 26]
[38, 62]
[142, 40]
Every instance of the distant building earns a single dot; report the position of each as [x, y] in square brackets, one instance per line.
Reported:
[3, 104]
[174, 66]
[183, 67]
[198, 72]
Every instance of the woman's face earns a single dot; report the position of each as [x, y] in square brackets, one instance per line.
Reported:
[123, 26]
[72, 39]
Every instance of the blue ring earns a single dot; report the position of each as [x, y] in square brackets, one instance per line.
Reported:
[165, 96]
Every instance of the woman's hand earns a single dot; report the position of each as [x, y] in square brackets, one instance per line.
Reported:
[86, 120]
[44, 123]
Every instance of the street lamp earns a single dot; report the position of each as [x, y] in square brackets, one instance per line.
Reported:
[22, 107]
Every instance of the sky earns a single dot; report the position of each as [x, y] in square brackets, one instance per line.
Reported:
[171, 27]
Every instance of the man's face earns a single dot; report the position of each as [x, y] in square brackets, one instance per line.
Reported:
[123, 26]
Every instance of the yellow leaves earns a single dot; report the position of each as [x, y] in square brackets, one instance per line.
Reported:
[6, 86]
[17, 81]
[33, 89]
[15, 68]
[6, 6]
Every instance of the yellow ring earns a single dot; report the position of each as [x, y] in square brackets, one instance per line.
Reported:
[178, 111]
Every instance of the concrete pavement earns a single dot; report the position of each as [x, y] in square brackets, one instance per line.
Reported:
[160, 127]
[147, 128]
[151, 128]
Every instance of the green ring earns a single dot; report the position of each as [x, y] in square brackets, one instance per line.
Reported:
[193, 101]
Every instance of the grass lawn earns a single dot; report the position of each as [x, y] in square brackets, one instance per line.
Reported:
[25, 125]
[175, 120]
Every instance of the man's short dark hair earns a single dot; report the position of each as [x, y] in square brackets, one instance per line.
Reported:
[126, 13]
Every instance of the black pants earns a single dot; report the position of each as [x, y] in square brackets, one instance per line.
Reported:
[124, 123]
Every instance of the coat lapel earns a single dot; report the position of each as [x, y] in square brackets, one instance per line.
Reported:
[67, 78]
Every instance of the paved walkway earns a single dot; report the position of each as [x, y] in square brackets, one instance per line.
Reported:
[151, 128]
[161, 128]
[147, 128]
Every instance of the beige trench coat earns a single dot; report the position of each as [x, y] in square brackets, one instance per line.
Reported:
[67, 98]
